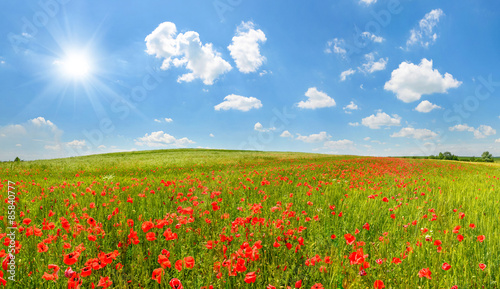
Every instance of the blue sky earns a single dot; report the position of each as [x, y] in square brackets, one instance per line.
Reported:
[369, 77]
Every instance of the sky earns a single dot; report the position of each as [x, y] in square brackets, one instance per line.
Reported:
[358, 77]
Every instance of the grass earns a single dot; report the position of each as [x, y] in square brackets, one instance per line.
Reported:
[286, 217]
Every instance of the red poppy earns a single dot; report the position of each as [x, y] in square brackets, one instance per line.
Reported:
[349, 239]
[480, 238]
[379, 284]
[460, 238]
[104, 282]
[366, 226]
[455, 230]
[189, 262]
[151, 236]
[482, 266]
[446, 266]
[175, 284]
[250, 277]
[178, 265]
[317, 286]
[298, 284]
[42, 248]
[71, 258]
[157, 275]
[91, 222]
[425, 272]
[270, 287]
[86, 271]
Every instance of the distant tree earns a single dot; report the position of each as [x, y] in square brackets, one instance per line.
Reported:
[487, 157]
[454, 157]
[17, 159]
[472, 159]
[441, 156]
[447, 156]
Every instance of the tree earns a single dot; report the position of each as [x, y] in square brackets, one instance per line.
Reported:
[441, 156]
[487, 157]
[448, 156]
[17, 159]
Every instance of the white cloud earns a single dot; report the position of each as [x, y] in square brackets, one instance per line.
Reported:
[497, 140]
[426, 106]
[245, 47]
[339, 144]
[336, 46]
[372, 37]
[259, 127]
[367, 138]
[77, 144]
[167, 120]
[212, 135]
[162, 139]
[381, 119]
[353, 123]
[481, 132]
[367, 2]
[319, 137]
[350, 106]
[410, 81]
[420, 134]
[286, 134]
[239, 102]
[371, 65]
[186, 50]
[345, 74]
[424, 34]
[316, 99]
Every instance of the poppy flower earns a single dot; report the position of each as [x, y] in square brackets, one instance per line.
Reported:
[178, 265]
[480, 238]
[157, 275]
[42, 248]
[250, 277]
[482, 266]
[446, 266]
[68, 272]
[71, 258]
[151, 236]
[175, 284]
[425, 272]
[379, 284]
[460, 238]
[91, 222]
[104, 282]
[270, 287]
[349, 239]
[317, 286]
[86, 271]
[189, 262]
[298, 284]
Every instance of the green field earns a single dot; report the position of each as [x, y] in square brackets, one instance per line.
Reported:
[240, 219]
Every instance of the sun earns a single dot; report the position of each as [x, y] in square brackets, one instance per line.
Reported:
[75, 65]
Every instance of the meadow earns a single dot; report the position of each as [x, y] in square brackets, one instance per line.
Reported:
[240, 219]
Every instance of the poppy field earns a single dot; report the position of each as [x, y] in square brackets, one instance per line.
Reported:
[233, 219]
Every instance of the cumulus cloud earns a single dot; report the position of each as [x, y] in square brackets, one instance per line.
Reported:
[372, 37]
[316, 99]
[410, 81]
[481, 132]
[497, 140]
[162, 139]
[259, 127]
[336, 46]
[367, 2]
[318, 137]
[245, 48]
[161, 120]
[353, 123]
[351, 106]
[77, 144]
[420, 134]
[426, 106]
[286, 134]
[424, 34]
[345, 74]
[343, 144]
[211, 135]
[381, 119]
[238, 102]
[371, 65]
[186, 50]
